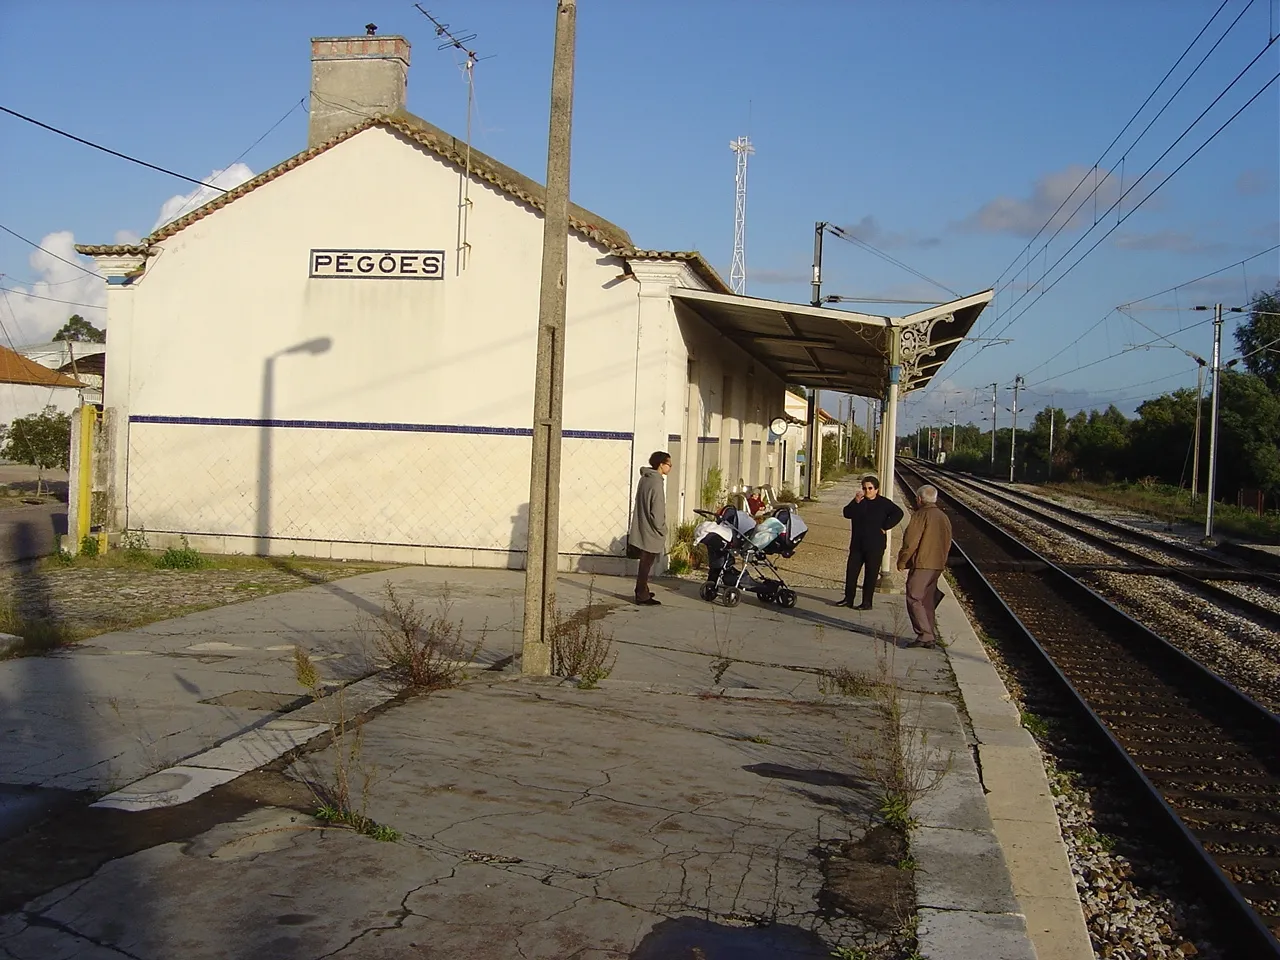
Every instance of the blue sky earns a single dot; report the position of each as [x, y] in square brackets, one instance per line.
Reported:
[944, 133]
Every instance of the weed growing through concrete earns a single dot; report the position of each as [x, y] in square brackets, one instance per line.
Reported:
[35, 635]
[580, 646]
[427, 652]
[845, 682]
[724, 641]
[900, 760]
[1038, 727]
[335, 803]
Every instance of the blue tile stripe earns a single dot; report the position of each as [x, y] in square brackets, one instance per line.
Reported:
[733, 443]
[364, 425]
[708, 439]
[673, 438]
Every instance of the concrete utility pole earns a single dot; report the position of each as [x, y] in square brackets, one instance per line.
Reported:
[812, 441]
[818, 228]
[1013, 437]
[1195, 456]
[995, 387]
[1211, 483]
[953, 432]
[542, 559]
[1053, 415]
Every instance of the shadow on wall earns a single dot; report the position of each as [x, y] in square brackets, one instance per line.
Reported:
[519, 544]
[693, 937]
[313, 347]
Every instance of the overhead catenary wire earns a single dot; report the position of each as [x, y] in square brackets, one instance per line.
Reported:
[876, 251]
[1125, 192]
[1128, 124]
[1121, 163]
[1144, 199]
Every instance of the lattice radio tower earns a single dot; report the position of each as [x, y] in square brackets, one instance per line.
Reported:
[738, 272]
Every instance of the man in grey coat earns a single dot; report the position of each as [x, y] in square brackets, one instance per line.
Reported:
[648, 534]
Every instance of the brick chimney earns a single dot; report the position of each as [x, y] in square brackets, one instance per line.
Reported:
[353, 78]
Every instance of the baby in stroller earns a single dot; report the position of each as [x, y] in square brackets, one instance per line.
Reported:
[732, 533]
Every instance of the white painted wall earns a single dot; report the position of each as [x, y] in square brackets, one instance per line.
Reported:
[233, 291]
[23, 399]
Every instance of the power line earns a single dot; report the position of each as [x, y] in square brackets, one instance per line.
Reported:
[1119, 200]
[1153, 192]
[1127, 125]
[1140, 203]
[1178, 286]
[845, 235]
[69, 263]
[36, 296]
[270, 130]
[114, 153]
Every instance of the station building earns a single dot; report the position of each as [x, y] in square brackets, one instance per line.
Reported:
[336, 358]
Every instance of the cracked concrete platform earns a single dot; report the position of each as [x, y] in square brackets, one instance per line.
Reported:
[647, 818]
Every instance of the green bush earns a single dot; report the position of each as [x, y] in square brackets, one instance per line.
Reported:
[180, 558]
[89, 546]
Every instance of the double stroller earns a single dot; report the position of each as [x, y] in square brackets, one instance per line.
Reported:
[731, 534]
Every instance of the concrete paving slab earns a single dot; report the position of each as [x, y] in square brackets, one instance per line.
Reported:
[168, 788]
[254, 749]
[968, 935]
[961, 870]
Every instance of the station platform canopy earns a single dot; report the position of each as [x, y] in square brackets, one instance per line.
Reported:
[838, 349]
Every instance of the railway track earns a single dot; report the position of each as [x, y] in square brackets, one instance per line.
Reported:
[1203, 757]
[1140, 553]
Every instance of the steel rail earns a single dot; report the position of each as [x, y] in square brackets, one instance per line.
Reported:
[1092, 649]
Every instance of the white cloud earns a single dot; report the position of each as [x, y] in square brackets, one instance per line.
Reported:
[1255, 181]
[1023, 216]
[868, 230]
[34, 319]
[183, 203]
[32, 313]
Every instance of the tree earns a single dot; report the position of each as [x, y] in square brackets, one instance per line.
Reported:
[1259, 339]
[42, 440]
[79, 330]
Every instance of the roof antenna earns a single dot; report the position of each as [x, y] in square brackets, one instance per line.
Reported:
[461, 41]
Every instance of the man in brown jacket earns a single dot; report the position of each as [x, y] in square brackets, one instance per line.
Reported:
[925, 546]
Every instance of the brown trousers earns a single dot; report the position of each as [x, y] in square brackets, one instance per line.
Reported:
[922, 602]
[642, 577]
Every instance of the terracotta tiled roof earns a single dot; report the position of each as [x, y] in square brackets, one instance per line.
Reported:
[15, 368]
[509, 181]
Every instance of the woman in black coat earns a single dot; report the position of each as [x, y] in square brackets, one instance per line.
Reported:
[871, 516]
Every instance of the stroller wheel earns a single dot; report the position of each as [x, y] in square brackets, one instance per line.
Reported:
[732, 597]
[765, 596]
[786, 598]
[707, 592]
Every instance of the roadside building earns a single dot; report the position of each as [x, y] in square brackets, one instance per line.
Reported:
[364, 318]
[79, 360]
[27, 387]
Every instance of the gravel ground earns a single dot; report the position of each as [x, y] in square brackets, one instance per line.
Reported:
[94, 596]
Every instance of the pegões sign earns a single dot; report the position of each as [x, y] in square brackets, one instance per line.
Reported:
[377, 264]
